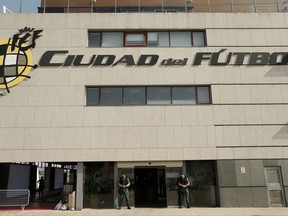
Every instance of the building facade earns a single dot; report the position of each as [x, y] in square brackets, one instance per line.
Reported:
[150, 94]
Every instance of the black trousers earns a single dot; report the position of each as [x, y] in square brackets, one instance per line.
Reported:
[183, 195]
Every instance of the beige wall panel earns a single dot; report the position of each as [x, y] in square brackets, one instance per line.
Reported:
[167, 137]
[182, 137]
[132, 137]
[253, 135]
[173, 115]
[149, 137]
[12, 138]
[198, 136]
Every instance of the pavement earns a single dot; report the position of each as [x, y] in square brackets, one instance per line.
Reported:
[171, 211]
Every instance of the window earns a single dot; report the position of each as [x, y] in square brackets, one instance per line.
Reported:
[158, 95]
[112, 39]
[158, 39]
[135, 39]
[149, 39]
[203, 95]
[183, 95]
[198, 39]
[180, 39]
[94, 39]
[92, 96]
[147, 95]
[110, 96]
[134, 96]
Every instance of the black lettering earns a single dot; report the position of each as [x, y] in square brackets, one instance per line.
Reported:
[240, 57]
[259, 58]
[201, 56]
[69, 60]
[126, 59]
[47, 57]
[78, 60]
[275, 57]
[167, 62]
[109, 60]
[152, 60]
[215, 58]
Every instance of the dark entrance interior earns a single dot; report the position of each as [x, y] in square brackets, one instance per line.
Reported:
[150, 187]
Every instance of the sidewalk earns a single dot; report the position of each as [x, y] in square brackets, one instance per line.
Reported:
[171, 211]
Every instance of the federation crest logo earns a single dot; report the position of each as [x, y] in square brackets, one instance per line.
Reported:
[16, 60]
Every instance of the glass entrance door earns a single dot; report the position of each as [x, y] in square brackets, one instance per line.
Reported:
[274, 186]
[150, 187]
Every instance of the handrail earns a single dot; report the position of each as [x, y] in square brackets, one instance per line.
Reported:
[15, 197]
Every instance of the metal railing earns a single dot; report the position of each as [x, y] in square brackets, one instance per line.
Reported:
[164, 6]
[20, 197]
[150, 6]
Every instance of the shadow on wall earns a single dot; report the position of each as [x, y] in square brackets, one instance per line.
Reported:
[279, 71]
[282, 133]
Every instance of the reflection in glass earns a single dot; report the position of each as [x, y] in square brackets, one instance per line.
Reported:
[98, 185]
[198, 39]
[94, 39]
[180, 39]
[111, 96]
[134, 96]
[203, 95]
[112, 39]
[203, 183]
[158, 95]
[92, 96]
[183, 95]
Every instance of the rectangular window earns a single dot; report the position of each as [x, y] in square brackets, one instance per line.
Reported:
[135, 39]
[203, 95]
[158, 39]
[92, 96]
[158, 95]
[183, 95]
[110, 96]
[112, 39]
[149, 39]
[94, 39]
[151, 95]
[180, 39]
[198, 39]
[134, 96]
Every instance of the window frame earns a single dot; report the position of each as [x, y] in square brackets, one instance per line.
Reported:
[146, 95]
[135, 33]
[145, 34]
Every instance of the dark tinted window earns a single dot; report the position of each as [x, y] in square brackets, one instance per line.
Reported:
[183, 95]
[158, 95]
[203, 94]
[94, 39]
[134, 96]
[92, 96]
[111, 96]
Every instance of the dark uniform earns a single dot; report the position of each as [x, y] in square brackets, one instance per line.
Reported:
[123, 184]
[183, 191]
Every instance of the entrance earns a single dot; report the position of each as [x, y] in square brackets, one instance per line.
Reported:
[275, 187]
[150, 187]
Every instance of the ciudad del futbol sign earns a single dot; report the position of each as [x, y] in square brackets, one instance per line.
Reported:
[16, 59]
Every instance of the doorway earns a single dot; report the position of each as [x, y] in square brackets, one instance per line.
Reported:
[150, 187]
[275, 187]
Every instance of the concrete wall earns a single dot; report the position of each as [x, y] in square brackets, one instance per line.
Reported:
[45, 118]
[247, 188]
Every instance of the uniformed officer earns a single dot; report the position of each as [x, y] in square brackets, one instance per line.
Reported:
[123, 184]
[183, 191]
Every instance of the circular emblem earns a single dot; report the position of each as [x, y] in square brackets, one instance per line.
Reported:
[15, 65]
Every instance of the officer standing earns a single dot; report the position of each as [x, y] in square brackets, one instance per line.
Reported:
[123, 184]
[183, 191]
